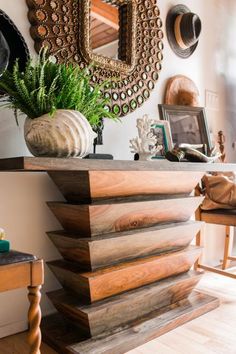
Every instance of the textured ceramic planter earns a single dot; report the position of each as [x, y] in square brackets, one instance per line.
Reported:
[65, 134]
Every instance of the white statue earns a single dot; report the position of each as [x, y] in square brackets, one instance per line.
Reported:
[146, 143]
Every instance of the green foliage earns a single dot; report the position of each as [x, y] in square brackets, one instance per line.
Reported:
[46, 86]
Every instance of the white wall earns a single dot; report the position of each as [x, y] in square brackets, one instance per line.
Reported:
[23, 212]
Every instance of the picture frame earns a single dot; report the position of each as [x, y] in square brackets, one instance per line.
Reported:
[188, 125]
[160, 129]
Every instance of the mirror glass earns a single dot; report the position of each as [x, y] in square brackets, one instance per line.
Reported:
[104, 29]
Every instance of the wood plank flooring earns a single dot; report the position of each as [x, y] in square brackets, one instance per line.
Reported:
[213, 333]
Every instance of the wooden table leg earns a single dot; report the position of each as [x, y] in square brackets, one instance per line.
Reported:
[228, 246]
[34, 318]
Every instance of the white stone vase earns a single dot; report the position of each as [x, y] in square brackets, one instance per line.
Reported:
[66, 133]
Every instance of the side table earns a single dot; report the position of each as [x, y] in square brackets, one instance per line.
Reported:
[19, 270]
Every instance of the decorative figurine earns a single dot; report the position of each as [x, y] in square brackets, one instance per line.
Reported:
[145, 145]
[191, 153]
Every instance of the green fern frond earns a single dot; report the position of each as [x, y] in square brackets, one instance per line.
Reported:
[45, 86]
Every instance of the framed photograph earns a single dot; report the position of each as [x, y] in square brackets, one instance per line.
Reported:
[188, 125]
[160, 130]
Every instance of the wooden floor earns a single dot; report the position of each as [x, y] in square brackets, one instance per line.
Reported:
[212, 333]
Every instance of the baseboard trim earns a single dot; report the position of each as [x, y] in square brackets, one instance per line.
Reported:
[13, 328]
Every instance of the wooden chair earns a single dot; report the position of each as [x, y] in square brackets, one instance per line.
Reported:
[19, 270]
[218, 217]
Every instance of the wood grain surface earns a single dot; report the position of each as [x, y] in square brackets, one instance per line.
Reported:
[75, 164]
[219, 217]
[62, 336]
[110, 281]
[79, 186]
[98, 219]
[120, 310]
[93, 253]
[149, 327]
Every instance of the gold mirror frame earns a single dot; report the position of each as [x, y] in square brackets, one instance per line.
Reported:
[130, 46]
[63, 26]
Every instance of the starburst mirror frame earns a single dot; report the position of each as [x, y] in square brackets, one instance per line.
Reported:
[64, 27]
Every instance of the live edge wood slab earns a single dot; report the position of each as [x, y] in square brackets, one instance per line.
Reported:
[125, 275]
[74, 164]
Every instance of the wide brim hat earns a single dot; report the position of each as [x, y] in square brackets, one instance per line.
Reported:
[181, 90]
[14, 43]
[183, 29]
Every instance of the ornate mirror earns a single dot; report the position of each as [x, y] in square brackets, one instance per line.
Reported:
[104, 24]
[123, 38]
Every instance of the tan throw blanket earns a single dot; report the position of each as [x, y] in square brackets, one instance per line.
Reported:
[220, 191]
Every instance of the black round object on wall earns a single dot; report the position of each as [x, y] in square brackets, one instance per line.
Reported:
[16, 44]
[4, 54]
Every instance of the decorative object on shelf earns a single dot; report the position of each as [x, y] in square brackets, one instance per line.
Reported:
[181, 91]
[153, 140]
[191, 153]
[175, 155]
[221, 142]
[188, 125]
[194, 155]
[61, 106]
[13, 45]
[64, 27]
[66, 134]
[4, 244]
[161, 131]
[183, 30]
[145, 144]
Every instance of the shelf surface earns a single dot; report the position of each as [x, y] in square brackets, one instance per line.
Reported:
[76, 164]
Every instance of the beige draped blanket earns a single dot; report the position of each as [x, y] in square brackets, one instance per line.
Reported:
[220, 191]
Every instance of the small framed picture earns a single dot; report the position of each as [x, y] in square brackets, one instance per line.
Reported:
[160, 130]
[188, 125]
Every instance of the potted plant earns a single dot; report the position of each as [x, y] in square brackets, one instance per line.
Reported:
[61, 106]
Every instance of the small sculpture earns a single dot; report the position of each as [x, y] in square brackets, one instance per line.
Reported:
[192, 154]
[145, 145]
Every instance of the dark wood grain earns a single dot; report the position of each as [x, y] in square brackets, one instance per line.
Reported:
[92, 253]
[117, 279]
[75, 164]
[62, 336]
[74, 185]
[150, 327]
[120, 310]
[98, 219]
[78, 186]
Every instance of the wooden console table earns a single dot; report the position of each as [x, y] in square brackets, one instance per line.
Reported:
[126, 251]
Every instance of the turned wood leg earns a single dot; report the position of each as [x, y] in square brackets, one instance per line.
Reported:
[34, 318]
[228, 246]
[198, 243]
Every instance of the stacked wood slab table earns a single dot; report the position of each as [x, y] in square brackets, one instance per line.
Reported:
[125, 243]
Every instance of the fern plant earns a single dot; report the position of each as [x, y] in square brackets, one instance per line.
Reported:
[46, 86]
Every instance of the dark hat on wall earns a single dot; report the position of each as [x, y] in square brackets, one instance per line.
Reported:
[183, 30]
[13, 42]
